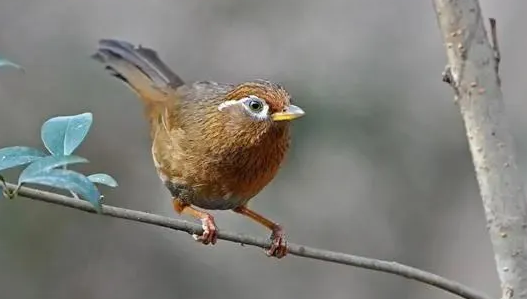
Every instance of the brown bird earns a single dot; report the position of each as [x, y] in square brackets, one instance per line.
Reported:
[215, 146]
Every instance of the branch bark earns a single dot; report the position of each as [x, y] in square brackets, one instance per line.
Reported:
[473, 74]
[294, 249]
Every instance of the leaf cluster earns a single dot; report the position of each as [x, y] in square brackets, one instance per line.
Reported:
[61, 135]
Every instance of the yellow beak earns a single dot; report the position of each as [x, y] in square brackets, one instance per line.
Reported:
[290, 113]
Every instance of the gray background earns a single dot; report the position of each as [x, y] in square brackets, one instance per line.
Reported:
[379, 167]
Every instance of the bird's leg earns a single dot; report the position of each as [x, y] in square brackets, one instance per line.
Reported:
[279, 245]
[210, 231]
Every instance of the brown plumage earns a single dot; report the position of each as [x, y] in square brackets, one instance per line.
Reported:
[215, 146]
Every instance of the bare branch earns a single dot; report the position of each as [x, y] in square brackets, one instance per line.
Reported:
[294, 249]
[474, 64]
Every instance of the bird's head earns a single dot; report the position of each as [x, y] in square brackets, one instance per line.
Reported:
[260, 104]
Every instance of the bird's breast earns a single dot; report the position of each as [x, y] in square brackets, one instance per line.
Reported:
[248, 170]
[212, 177]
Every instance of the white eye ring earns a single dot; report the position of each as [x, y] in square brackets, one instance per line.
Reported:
[261, 113]
[245, 102]
[255, 105]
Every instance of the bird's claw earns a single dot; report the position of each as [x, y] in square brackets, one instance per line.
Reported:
[210, 231]
[278, 247]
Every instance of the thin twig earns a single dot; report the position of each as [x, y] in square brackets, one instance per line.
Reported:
[495, 47]
[294, 249]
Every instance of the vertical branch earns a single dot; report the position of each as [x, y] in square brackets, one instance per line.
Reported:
[472, 72]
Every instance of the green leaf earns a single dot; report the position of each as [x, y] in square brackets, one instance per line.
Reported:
[5, 62]
[68, 180]
[18, 155]
[63, 134]
[46, 164]
[103, 178]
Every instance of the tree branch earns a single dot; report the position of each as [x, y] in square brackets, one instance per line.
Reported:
[474, 65]
[294, 249]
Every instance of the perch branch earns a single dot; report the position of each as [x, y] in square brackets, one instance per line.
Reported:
[474, 65]
[294, 249]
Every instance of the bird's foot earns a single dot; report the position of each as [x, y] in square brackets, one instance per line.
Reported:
[278, 247]
[210, 231]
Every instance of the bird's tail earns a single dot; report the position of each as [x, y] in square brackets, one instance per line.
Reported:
[138, 67]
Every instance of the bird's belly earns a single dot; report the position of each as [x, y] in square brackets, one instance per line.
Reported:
[218, 203]
[190, 196]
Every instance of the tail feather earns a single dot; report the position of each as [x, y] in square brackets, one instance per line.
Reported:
[162, 69]
[140, 68]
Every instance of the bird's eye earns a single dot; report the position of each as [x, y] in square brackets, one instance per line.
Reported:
[255, 105]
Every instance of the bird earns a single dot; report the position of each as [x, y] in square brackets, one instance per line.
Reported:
[215, 146]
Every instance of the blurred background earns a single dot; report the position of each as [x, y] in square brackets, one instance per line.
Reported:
[380, 166]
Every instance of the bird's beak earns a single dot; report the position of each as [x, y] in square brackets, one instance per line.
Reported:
[290, 113]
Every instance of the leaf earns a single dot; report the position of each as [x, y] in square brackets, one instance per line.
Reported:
[5, 62]
[63, 134]
[46, 164]
[18, 155]
[103, 178]
[69, 180]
